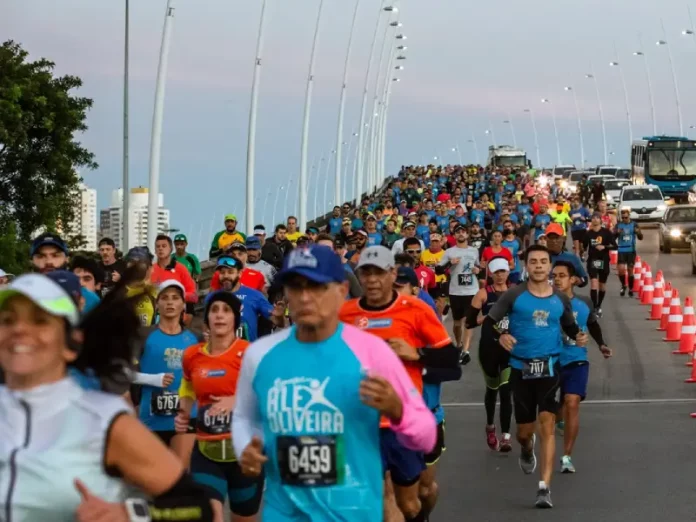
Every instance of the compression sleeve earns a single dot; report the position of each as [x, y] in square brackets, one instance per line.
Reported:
[445, 357]
[568, 323]
[245, 421]
[440, 375]
[149, 379]
[186, 500]
[471, 320]
[186, 389]
[596, 333]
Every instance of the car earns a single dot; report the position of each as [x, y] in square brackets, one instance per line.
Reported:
[677, 227]
[571, 184]
[613, 188]
[563, 171]
[607, 170]
[624, 174]
[601, 177]
[645, 202]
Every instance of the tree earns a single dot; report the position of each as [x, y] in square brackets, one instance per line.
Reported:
[39, 155]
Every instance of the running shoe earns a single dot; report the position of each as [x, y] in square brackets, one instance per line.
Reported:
[560, 426]
[567, 465]
[598, 312]
[505, 443]
[543, 500]
[464, 358]
[630, 293]
[527, 460]
[491, 438]
[623, 291]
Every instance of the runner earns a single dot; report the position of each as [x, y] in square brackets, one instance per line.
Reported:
[210, 375]
[493, 358]
[167, 268]
[315, 392]
[580, 216]
[598, 241]
[159, 370]
[626, 232]
[575, 367]
[555, 241]
[137, 279]
[431, 257]
[113, 268]
[189, 260]
[462, 262]
[255, 262]
[408, 230]
[88, 432]
[419, 339]
[293, 233]
[536, 315]
[495, 249]
[512, 242]
[226, 237]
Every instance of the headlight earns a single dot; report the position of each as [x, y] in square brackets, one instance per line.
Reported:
[675, 232]
[609, 197]
[661, 207]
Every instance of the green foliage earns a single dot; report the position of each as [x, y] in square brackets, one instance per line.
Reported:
[14, 253]
[38, 151]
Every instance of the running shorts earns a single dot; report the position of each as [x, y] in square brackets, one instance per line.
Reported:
[574, 379]
[495, 364]
[626, 258]
[432, 457]
[523, 232]
[532, 395]
[167, 435]
[439, 291]
[460, 304]
[601, 274]
[405, 465]
[225, 480]
[578, 235]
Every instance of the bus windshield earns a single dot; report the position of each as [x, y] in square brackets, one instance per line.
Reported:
[672, 164]
[511, 161]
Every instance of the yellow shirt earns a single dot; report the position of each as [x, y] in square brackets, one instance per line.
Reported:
[293, 237]
[145, 304]
[430, 259]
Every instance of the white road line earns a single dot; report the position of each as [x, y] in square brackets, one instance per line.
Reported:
[596, 402]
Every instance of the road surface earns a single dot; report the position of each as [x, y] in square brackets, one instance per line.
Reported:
[636, 452]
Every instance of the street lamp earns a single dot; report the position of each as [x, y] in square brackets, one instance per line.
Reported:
[555, 130]
[577, 111]
[592, 77]
[459, 154]
[487, 132]
[674, 78]
[625, 91]
[512, 130]
[642, 55]
[476, 149]
[302, 186]
[126, 190]
[275, 205]
[342, 108]
[536, 136]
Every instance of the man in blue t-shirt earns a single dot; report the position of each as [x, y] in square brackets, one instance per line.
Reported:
[537, 317]
[336, 221]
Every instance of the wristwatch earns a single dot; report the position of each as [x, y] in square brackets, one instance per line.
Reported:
[138, 510]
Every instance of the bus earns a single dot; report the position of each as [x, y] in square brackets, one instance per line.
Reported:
[668, 162]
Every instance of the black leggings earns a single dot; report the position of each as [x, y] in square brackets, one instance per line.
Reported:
[505, 406]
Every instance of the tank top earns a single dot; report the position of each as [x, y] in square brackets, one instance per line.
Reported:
[491, 299]
[49, 436]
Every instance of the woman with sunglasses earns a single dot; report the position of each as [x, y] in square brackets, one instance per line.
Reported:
[69, 453]
[210, 373]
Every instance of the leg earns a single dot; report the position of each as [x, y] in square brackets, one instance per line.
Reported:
[547, 425]
[391, 510]
[244, 493]
[505, 407]
[457, 328]
[408, 501]
[571, 412]
[428, 489]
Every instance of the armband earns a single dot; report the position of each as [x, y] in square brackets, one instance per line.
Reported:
[185, 501]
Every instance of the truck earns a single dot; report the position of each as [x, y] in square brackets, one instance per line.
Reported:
[507, 156]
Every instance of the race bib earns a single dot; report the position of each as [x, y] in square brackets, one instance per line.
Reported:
[537, 368]
[465, 279]
[598, 264]
[164, 403]
[308, 460]
[626, 238]
[213, 424]
[503, 325]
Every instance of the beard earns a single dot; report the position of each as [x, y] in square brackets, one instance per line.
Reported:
[229, 284]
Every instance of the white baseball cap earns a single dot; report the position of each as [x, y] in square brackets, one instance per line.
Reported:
[498, 264]
[44, 293]
[169, 283]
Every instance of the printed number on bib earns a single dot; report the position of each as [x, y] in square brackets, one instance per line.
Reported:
[213, 424]
[503, 325]
[598, 264]
[164, 403]
[308, 461]
[465, 279]
[626, 238]
[537, 368]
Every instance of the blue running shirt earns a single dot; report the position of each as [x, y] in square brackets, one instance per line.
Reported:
[583, 310]
[303, 400]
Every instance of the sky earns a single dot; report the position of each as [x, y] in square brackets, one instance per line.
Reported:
[470, 66]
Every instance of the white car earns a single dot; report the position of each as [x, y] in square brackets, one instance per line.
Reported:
[562, 171]
[613, 188]
[645, 202]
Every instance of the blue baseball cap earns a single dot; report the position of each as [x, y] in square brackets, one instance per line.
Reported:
[68, 282]
[406, 275]
[253, 243]
[46, 239]
[139, 254]
[317, 263]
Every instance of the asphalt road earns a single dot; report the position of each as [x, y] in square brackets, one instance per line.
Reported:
[636, 452]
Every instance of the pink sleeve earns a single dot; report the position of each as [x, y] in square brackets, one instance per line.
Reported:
[417, 429]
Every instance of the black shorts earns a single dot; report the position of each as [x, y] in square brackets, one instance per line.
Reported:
[532, 395]
[439, 291]
[578, 235]
[168, 435]
[460, 304]
[224, 480]
[523, 232]
[432, 457]
[626, 258]
[495, 364]
[598, 273]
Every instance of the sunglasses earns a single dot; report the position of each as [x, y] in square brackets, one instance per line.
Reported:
[413, 252]
[229, 262]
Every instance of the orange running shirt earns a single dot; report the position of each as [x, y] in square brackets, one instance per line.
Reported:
[212, 375]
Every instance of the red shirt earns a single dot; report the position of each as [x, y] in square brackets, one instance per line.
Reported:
[451, 241]
[488, 254]
[178, 272]
[443, 196]
[426, 277]
[249, 278]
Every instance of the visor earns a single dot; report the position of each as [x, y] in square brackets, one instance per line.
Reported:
[45, 294]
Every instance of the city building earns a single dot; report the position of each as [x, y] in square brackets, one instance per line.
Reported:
[110, 220]
[85, 221]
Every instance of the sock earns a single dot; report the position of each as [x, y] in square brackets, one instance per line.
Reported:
[542, 484]
[622, 280]
[489, 402]
[602, 293]
[593, 296]
[630, 282]
[505, 407]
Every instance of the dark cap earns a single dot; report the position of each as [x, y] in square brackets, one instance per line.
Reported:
[48, 239]
[68, 282]
[406, 275]
[317, 263]
[139, 254]
[253, 243]
[226, 297]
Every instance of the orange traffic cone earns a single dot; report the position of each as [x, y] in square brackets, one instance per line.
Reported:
[641, 281]
[675, 319]
[613, 257]
[657, 300]
[665, 308]
[637, 274]
[688, 330]
[648, 290]
[692, 379]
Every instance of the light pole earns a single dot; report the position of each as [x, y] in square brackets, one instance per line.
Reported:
[364, 125]
[386, 97]
[345, 169]
[536, 136]
[492, 132]
[625, 91]
[342, 107]
[555, 130]
[489, 132]
[125, 205]
[251, 140]
[459, 154]
[156, 139]
[275, 205]
[577, 111]
[265, 207]
[642, 55]
[476, 149]
[512, 131]
[591, 76]
[326, 184]
[302, 186]
[674, 79]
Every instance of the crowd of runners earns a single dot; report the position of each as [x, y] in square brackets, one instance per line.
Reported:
[304, 384]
